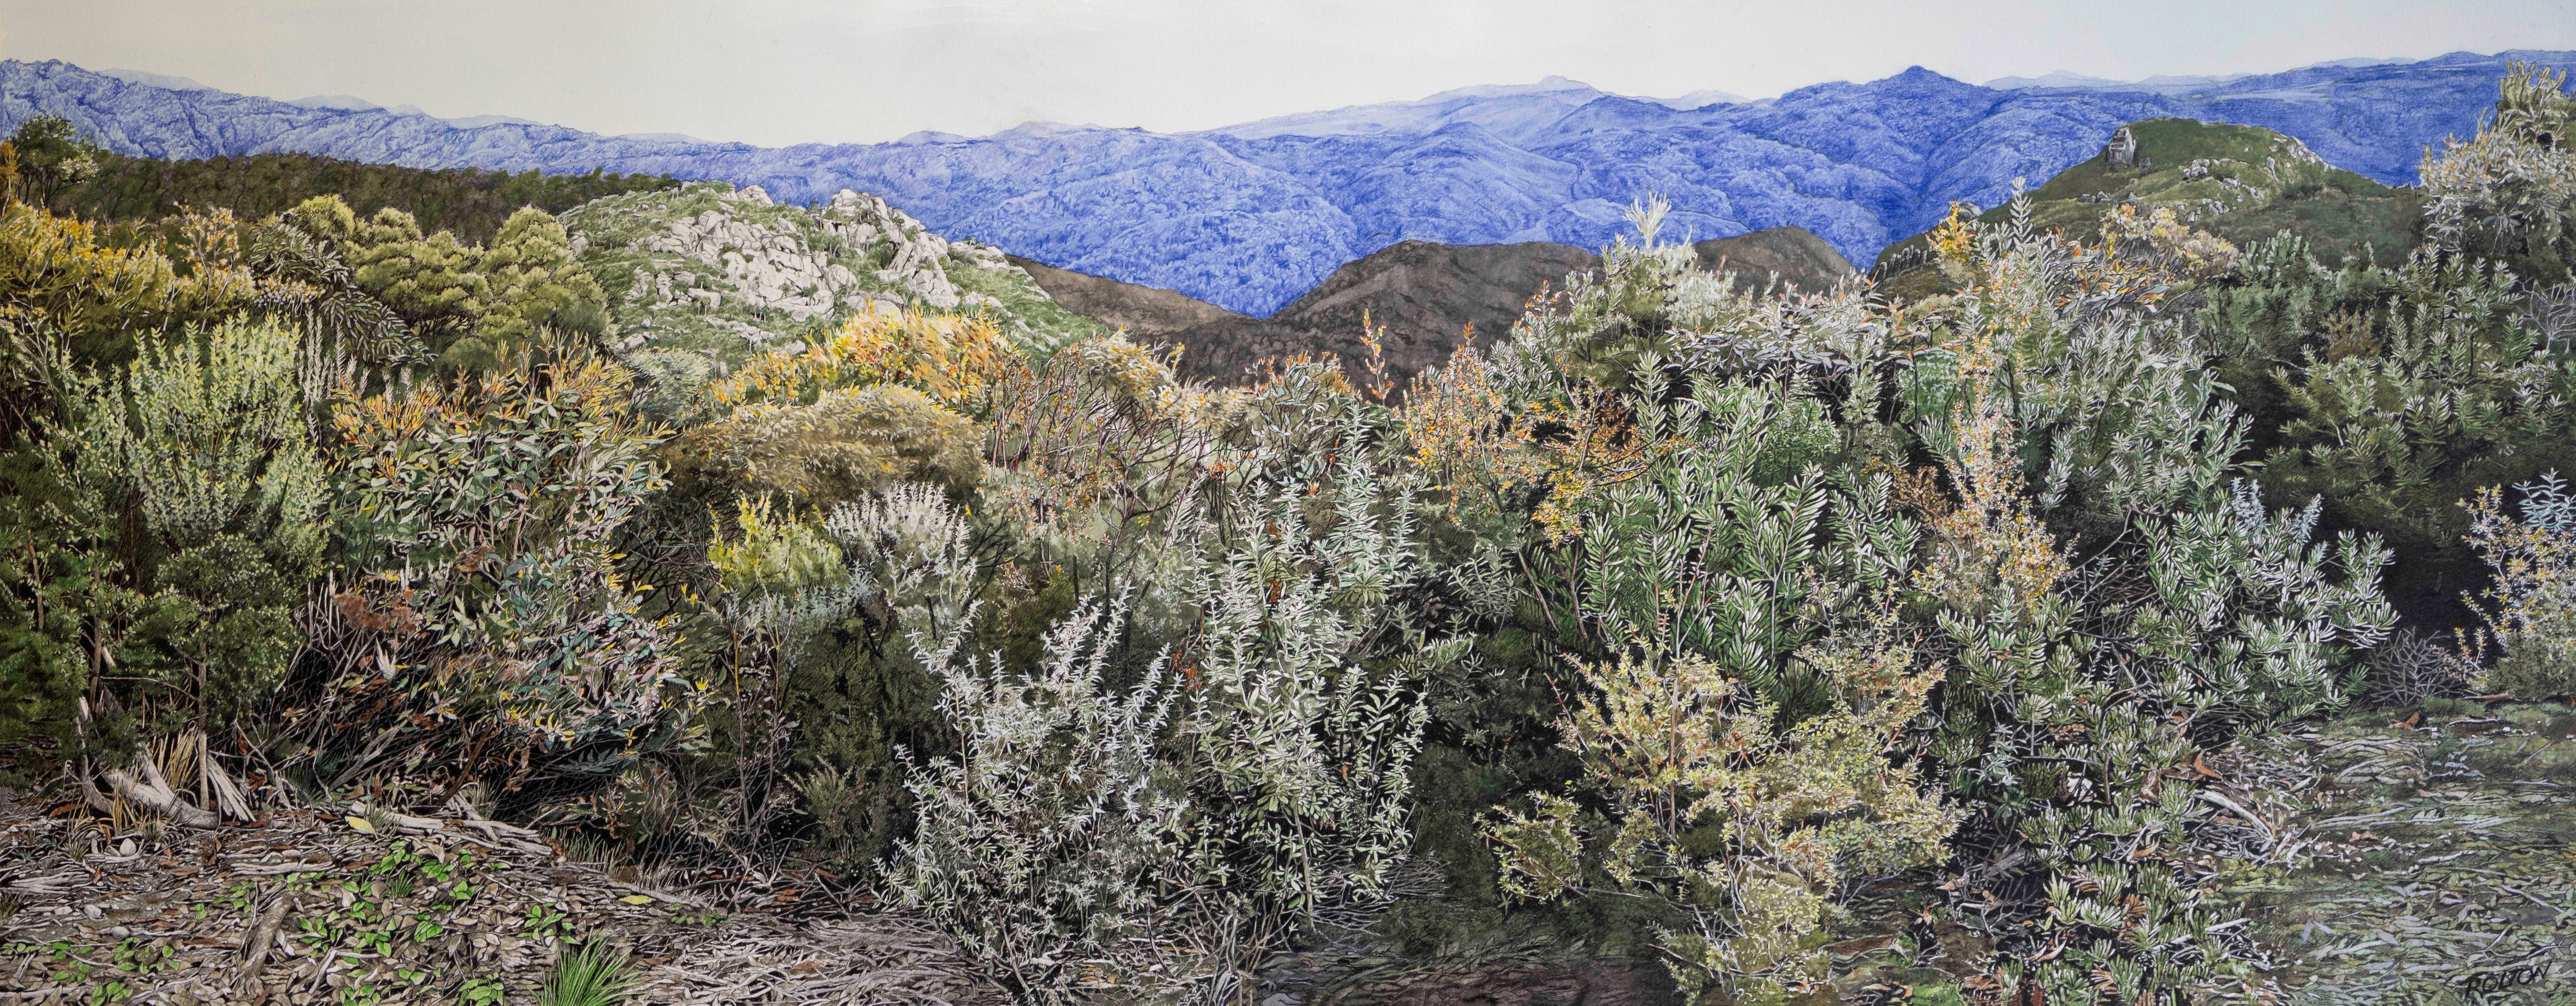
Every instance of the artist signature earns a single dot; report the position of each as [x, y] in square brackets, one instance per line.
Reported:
[2513, 977]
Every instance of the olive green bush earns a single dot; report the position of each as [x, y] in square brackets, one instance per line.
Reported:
[477, 527]
[471, 308]
[845, 445]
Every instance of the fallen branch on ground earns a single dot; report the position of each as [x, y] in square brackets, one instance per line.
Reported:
[153, 793]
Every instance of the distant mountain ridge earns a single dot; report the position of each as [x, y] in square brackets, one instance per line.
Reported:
[1249, 217]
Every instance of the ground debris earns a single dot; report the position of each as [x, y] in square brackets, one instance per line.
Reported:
[2435, 861]
[403, 914]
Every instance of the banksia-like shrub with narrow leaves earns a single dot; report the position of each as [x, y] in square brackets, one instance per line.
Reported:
[2462, 393]
[479, 518]
[2197, 613]
[1697, 555]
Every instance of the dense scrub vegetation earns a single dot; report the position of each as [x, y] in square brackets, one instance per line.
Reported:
[1679, 619]
[104, 186]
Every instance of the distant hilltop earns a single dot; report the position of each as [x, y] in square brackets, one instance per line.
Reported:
[1249, 217]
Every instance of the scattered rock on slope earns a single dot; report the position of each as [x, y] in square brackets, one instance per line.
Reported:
[725, 274]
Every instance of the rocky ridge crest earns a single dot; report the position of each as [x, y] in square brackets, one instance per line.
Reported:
[727, 274]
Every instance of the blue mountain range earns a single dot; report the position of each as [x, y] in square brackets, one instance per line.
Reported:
[1250, 216]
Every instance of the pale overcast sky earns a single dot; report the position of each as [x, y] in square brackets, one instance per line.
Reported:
[788, 71]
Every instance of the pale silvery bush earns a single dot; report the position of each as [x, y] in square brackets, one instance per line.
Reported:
[1301, 723]
[1045, 846]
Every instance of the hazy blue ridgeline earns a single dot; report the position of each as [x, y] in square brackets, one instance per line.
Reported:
[1248, 217]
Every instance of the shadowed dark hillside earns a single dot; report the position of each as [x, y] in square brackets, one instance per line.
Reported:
[472, 202]
[1425, 295]
[1142, 310]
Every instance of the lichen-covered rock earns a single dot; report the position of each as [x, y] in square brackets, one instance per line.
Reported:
[726, 274]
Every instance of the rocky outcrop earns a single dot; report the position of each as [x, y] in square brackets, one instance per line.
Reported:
[2122, 151]
[711, 270]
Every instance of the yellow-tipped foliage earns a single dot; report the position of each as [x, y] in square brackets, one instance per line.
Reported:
[952, 358]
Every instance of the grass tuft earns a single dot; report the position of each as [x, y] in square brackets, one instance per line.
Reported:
[591, 974]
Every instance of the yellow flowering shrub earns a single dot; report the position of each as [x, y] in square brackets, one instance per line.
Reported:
[953, 358]
[58, 272]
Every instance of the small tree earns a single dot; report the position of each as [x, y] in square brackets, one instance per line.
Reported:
[53, 155]
[2509, 193]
